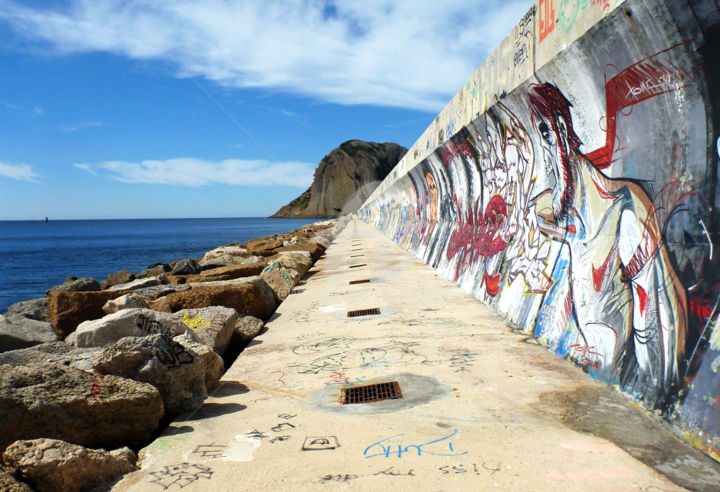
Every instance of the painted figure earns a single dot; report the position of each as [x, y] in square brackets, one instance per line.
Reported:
[616, 305]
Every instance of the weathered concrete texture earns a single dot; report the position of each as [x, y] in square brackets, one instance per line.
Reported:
[479, 409]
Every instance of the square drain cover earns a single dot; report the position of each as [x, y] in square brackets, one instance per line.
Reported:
[363, 312]
[370, 393]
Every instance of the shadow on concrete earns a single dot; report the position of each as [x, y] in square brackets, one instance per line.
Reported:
[229, 388]
[210, 410]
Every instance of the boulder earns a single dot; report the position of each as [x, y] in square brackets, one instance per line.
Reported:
[300, 261]
[209, 262]
[161, 290]
[52, 465]
[214, 365]
[121, 277]
[280, 279]
[227, 273]
[322, 241]
[177, 371]
[127, 301]
[17, 332]
[213, 325]
[186, 267]
[230, 249]
[154, 270]
[69, 309]
[8, 483]
[52, 353]
[315, 249]
[125, 323]
[36, 309]
[250, 296]
[248, 327]
[264, 246]
[141, 283]
[250, 260]
[77, 406]
[73, 284]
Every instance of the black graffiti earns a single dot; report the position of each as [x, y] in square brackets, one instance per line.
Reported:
[171, 353]
[210, 450]
[150, 326]
[338, 478]
[181, 475]
[320, 443]
[391, 473]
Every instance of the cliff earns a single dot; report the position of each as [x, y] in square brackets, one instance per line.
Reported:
[344, 179]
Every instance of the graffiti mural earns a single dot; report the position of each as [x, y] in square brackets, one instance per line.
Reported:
[582, 206]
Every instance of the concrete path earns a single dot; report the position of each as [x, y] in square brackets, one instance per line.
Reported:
[480, 408]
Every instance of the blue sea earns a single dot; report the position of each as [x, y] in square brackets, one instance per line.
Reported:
[36, 255]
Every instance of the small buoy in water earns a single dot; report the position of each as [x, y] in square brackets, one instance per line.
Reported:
[47, 220]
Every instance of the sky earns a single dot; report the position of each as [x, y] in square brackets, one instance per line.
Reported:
[216, 108]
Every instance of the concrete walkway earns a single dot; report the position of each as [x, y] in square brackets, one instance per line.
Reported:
[480, 409]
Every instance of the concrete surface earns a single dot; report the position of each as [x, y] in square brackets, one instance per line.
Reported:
[481, 408]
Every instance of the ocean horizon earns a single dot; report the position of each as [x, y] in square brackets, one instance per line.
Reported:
[36, 255]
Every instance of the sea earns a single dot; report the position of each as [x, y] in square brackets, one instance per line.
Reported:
[37, 255]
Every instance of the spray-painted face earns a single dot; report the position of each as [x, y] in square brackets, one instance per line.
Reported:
[553, 139]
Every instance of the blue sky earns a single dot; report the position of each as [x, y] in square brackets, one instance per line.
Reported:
[135, 109]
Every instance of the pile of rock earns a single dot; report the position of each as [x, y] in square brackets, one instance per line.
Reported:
[100, 366]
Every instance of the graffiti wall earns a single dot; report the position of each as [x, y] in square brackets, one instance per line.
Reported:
[579, 199]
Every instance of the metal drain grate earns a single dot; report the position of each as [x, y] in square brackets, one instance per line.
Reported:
[363, 281]
[358, 266]
[370, 393]
[363, 312]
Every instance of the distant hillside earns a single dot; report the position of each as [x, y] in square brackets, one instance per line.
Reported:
[344, 179]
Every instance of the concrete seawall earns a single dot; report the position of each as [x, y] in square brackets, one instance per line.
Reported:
[571, 185]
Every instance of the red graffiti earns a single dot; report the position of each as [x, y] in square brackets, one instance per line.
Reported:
[478, 235]
[648, 78]
[546, 18]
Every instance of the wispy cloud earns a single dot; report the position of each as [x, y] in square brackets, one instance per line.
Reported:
[79, 126]
[38, 110]
[411, 53]
[187, 171]
[20, 172]
[87, 168]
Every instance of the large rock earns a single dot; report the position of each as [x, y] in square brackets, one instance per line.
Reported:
[344, 179]
[154, 270]
[53, 465]
[8, 483]
[214, 365]
[73, 284]
[36, 309]
[209, 262]
[228, 250]
[213, 325]
[226, 273]
[77, 406]
[251, 260]
[127, 301]
[300, 261]
[177, 371]
[248, 327]
[264, 246]
[315, 249]
[280, 279]
[125, 323]
[250, 296]
[52, 353]
[161, 290]
[69, 309]
[141, 283]
[121, 277]
[186, 267]
[17, 332]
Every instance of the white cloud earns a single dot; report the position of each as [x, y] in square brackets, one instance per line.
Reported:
[412, 53]
[80, 126]
[38, 110]
[187, 171]
[21, 172]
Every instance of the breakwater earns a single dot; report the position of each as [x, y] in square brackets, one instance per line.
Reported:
[571, 184]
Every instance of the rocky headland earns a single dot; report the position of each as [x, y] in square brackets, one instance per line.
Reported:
[93, 371]
[344, 179]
